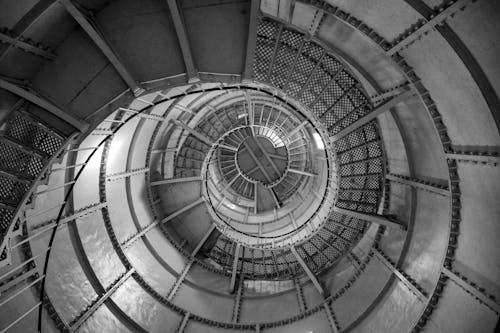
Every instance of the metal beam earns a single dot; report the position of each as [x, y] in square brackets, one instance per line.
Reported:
[251, 39]
[18, 279]
[180, 279]
[393, 92]
[308, 271]
[300, 295]
[138, 235]
[331, 319]
[417, 183]
[474, 157]
[380, 256]
[44, 104]
[384, 107]
[34, 307]
[266, 156]
[235, 267]
[316, 20]
[193, 132]
[203, 240]
[175, 180]
[91, 29]
[428, 26]
[182, 210]
[237, 302]
[180, 29]
[126, 174]
[17, 42]
[472, 290]
[256, 160]
[275, 197]
[183, 324]
[251, 117]
[256, 185]
[296, 130]
[102, 298]
[46, 227]
[19, 292]
[372, 218]
[303, 173]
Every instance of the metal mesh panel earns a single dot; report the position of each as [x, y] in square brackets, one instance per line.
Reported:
[6, 215]
[15, 159]
[285, 56]
[264, 49]
[32, 135]
[12, 190]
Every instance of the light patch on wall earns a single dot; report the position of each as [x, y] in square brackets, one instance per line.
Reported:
[318, 141]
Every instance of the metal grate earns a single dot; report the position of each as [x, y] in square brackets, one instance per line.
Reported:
[30, 134]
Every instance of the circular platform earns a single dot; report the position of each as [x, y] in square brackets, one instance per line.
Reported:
[259, 160]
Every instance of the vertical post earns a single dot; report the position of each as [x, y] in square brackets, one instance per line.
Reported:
[235, 267]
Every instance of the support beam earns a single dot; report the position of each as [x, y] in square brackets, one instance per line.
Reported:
[278, 157]
[251, 117]
[17, 280]
[275, 197]
[77, 214]
[183, 324]
[24, 315]
[428, 26]
[138, 235]
[384, 107]
[193, 132]
[19, 292]
[372, 218]
[416, 291]
[50, 189]
[255, 197]
[126, 174]
[13, 269]
[17, 42]
[300, 295]
[175, 180]
[151, 117]
[295, 130]
[266, 156]
[393, 92]
[180, 279]
[294, 222]
[419, 184]
[308, 271]
[474, 157]
[182, 210]
[203, 240]
[331, 318]
[102, 298]
[316, 20]
[90, 28]
[380, 256]
[180, 29]
[470, 289]
[44, 104]
[251, 39]
[257, 161]
[235, 267]
[300, 172]
[237, 302]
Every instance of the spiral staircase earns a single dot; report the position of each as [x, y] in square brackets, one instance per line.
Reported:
[249, 166]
